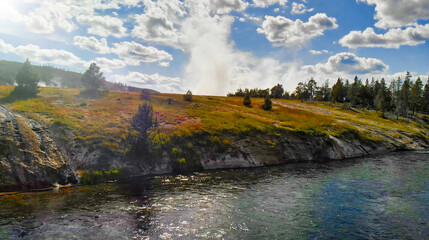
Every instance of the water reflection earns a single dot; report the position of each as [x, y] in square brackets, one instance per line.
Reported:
[382, 197]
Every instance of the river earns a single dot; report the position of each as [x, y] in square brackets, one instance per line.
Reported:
[381, 197]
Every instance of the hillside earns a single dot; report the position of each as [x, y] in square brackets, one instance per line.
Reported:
[209, 132]
[55, 77]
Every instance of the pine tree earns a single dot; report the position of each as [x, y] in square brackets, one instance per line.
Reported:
[142, 122]
[92, 79]
[383, 98]
[416, 95]
[277, 91]
[338, 91]
[27, 81]
[404, 96]
[426, 97]
[267, 103]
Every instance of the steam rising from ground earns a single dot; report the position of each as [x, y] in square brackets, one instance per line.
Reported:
[214, 65]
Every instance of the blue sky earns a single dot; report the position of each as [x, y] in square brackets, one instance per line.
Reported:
[216, 46]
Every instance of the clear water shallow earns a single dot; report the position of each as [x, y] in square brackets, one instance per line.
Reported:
[383, 197]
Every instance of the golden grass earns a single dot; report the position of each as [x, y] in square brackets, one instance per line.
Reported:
[106, 121]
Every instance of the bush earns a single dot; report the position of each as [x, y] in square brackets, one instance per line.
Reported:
[188, 96]
[267, 103]
[246, 101]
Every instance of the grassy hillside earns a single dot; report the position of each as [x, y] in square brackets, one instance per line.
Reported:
[104, 123]
[53, 77]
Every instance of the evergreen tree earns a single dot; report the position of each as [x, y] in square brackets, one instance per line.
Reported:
[416, 95]
[277, 91]
[267, 103]
[143, 122]
[404, 96]
[338, 91]
[92, 79]
[311, 89]
[246, 101]
[426, 97]
[383, 98]
[27, 81]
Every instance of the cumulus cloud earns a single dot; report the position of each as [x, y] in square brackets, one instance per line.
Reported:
[5, 47]
[92, 44]
[134, 53]
[344, 64]
[154, 81]
[104, 26]
[226, 6]
[107, 65]
[60, 57]
[267, 3]
[299, 8]
[398, 13]
[46, 15]
[282, 31]
[393, 38]
[316, 52]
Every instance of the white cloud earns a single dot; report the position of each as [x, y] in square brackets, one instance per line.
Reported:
[299, 8]
[316, 52]
[46, 15]
[398, 13]
[155, 81]
[345, 64]
[54, 56]
[134, 53]
[157, 24]
[107, 65]
[393, 38]
[226, 6]
[267, 3]
[5, 47]
[92, 44]
[104, 26]
[282, 31]
[276, 10]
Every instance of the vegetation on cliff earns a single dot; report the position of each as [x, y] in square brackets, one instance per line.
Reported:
[104, 124]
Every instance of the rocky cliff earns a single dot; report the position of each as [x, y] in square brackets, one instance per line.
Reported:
[43, 140]
[29, 158]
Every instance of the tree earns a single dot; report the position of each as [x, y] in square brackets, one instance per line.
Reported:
[246, 101]
[92, 79]
[404, 97]
[323, 93]
[311, 88]
[277, 91]
[338, 91]
[27, 81]
[142, 123]
[416, 95]
[383, 98]
[426, 97]
[267, 103]
[188, 96]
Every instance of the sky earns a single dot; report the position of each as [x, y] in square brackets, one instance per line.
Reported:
[213, 47]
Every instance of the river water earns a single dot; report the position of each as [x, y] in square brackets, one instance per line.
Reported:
[382, 197]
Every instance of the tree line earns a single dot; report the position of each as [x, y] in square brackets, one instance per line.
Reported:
[401, 96]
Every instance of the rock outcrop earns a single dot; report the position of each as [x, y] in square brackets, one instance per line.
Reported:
[29, 158]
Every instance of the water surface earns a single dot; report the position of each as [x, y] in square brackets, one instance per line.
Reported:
[382, 197]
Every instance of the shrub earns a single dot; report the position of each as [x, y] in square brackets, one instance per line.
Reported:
[188, 96]
[267, 103]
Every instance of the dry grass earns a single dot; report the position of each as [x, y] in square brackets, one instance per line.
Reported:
[106, 121]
